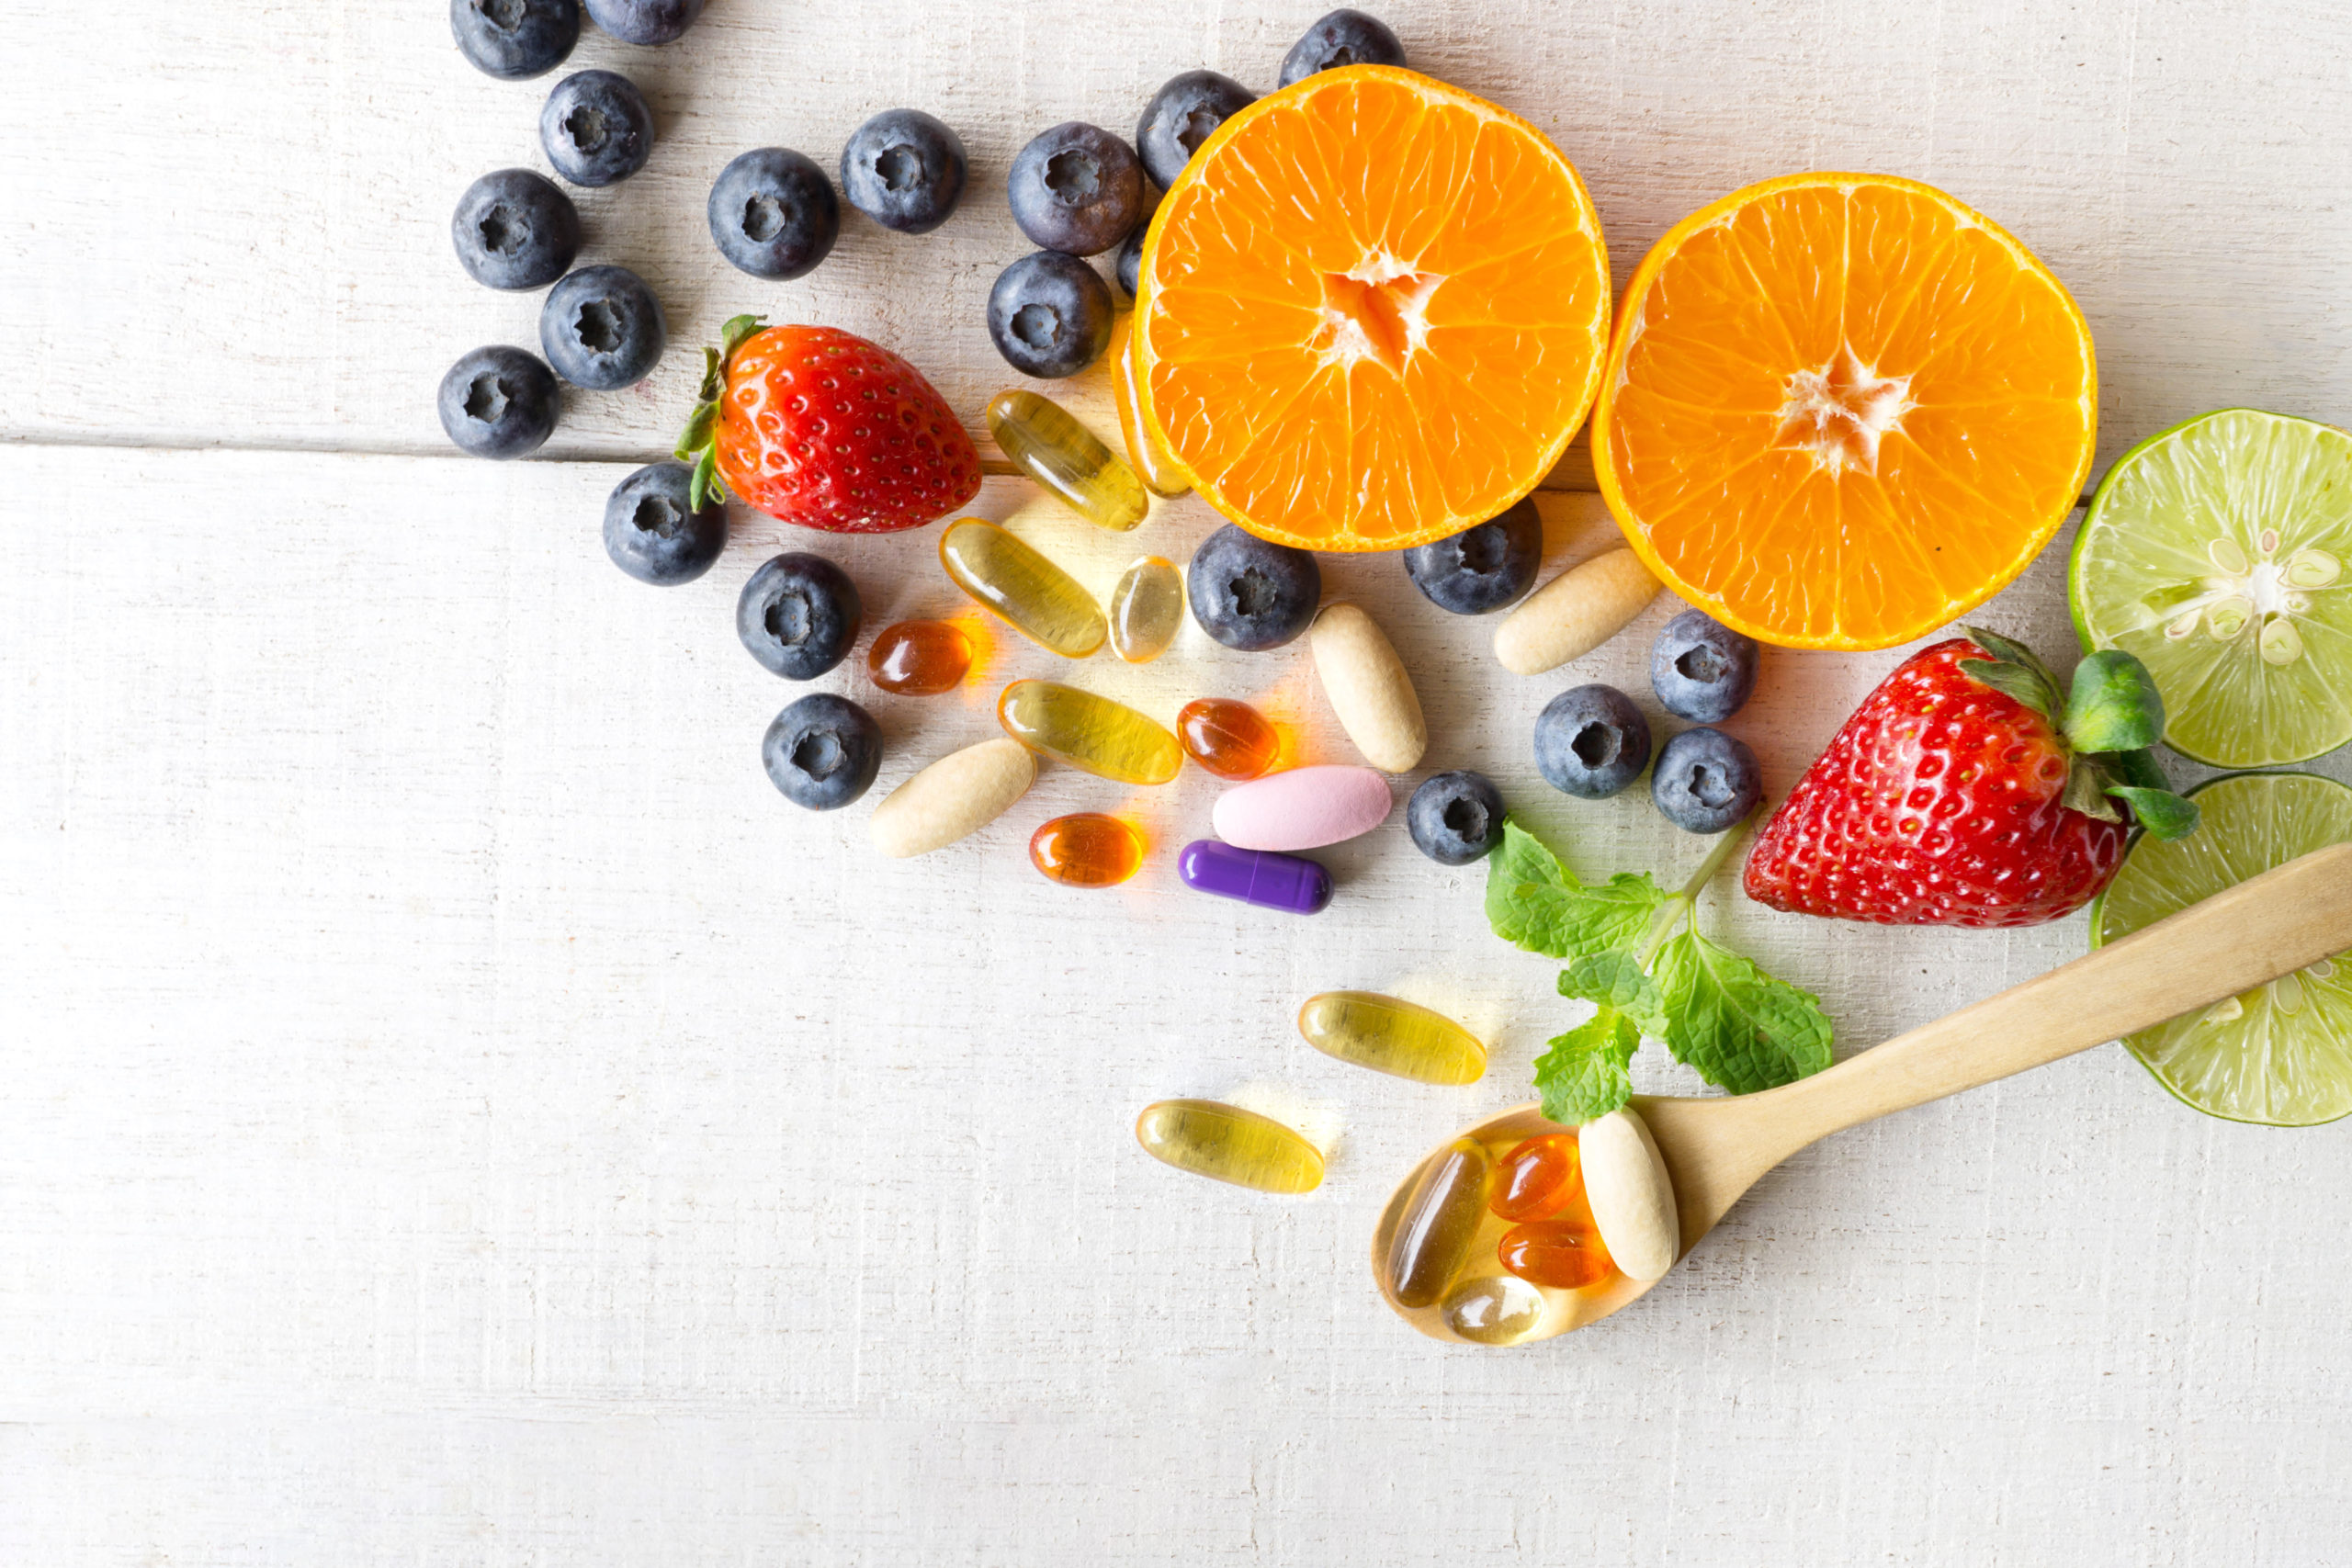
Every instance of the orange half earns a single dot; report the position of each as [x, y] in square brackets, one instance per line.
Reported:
[1371, 312]
[1842, 409]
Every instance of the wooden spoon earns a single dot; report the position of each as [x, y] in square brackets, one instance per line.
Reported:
[2246, 936]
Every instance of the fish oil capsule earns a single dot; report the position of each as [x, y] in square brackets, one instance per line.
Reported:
[1108, 739]
[1255, 876]
[1225, 1142]
[1498, 1309]
[919, 659]
[1153, 465]
[1087, 849]
[1440, 1219]
[1045, 443]
[1146, 608]
[1566, 1254]
[1010, 580]
[1229, 739]
[1392, 1036]
[1539, 1177]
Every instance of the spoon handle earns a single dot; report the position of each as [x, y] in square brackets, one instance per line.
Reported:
[2268, 926]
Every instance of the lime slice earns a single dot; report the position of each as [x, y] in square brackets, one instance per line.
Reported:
[2281, 1054]
[2215, 551]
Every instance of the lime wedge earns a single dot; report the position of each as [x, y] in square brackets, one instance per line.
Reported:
[2281, 1054]
[2216, 552]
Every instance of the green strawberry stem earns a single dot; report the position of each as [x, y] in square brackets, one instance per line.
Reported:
[698, 442]
[2109, 725]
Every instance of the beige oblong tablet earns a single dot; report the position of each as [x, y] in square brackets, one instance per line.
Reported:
[1368, 688]
[1631, 1194]
[1575, 612]
[953, 798]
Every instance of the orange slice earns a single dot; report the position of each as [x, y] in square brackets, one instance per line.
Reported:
[1842, 409]
[1371, 313]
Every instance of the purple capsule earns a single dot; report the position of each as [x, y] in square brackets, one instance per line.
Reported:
[1255, 876]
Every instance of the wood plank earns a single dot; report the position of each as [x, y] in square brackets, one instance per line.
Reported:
[198, 254]
[459, 1113]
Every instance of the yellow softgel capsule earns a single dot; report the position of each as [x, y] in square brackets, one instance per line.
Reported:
[1392, 1036]
[1045, 443]
[1225, 1142]
[1107, 739]
[1500, 1309]
[1152, 465]
[1440, 1219]
[1146, 610]
[1031, 594]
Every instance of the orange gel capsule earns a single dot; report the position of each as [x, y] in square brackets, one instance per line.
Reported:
[1231, 739]
[919, 659]
[1539, 1177]
[1087, 849]
[1566, 1254]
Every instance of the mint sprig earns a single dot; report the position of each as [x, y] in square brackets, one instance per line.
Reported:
[2110, 722]
[1635, 952]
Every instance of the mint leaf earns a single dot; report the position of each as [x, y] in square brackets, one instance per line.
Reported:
[1740, 1028]
[1582, 1077]
[1534, 902]
[1615, 981]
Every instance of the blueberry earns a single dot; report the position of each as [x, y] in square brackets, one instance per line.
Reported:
[1591, 741]
[644, 21]
[515, 229]
[1249, 594]
[823, 752]
[1180, 117]
[798, 616]
[1342, 38]
[652, 535]
[1701, 669]
[1705, 780]
[1129, 267]
[512, 40]
[773, 214]
[1075, 188]
[1484, 568]
[905, 170]
[1455, 817]
[498, 402]
[1050, 315]
[596, 128]
[603, 328]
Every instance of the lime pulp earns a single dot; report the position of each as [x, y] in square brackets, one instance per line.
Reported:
[2281, 1054]
[2216, 552]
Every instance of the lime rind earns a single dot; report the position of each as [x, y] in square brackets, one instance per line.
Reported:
[2280, 1055]
[2215, 552]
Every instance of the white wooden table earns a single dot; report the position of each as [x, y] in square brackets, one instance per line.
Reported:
[456, 1113]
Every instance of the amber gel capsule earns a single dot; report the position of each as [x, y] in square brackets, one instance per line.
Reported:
[1087, 849]
[919, 659]
[1228, 1143]
[1539, 1177]
[1107, 739]
[1045, 443]
[1030, 594]
[1440, 1219]
[1392, 1036]
[1154, 467]
[1231, 739]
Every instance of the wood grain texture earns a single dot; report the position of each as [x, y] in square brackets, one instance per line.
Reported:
[459, 1114]
[230, 224]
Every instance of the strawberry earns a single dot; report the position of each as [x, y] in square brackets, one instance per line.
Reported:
[821, 428]
[1969, 790]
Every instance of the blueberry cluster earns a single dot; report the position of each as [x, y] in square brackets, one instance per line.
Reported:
[1591, 741]
[1079, 191]
[600, 327]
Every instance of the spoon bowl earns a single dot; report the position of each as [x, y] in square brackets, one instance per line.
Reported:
[1715, 1148]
